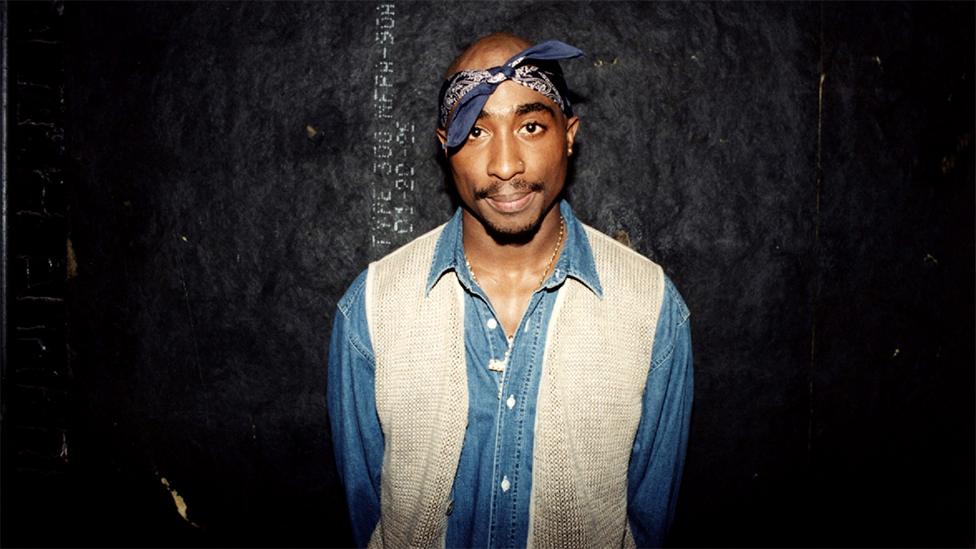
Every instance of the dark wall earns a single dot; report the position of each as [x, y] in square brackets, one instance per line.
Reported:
[803, 172]
[892, 380]
[35, 378]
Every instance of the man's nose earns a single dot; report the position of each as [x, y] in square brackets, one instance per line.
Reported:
[506, 159]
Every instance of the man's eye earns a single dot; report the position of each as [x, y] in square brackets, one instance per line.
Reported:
[475, 133]
[532, 127]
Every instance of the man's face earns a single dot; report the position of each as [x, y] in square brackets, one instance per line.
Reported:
[512, 168]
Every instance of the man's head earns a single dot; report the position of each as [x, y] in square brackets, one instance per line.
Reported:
[511, 168]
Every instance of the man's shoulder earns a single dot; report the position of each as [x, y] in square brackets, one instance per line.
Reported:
[407, 266]
[351, 302]
[424, 244]
[606, 248]
[674, 303]
[629, 260]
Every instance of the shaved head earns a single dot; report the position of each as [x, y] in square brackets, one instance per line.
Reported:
[488, 51]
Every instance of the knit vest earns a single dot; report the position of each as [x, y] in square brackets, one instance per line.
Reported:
[594, 370]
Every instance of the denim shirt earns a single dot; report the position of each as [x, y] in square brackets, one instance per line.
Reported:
[490, 496]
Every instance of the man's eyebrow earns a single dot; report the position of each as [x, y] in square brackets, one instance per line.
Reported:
[534, 107]
[521, 110]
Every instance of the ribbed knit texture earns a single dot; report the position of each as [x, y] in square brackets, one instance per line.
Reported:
[596, 362]
[421, 392]
[598, 353]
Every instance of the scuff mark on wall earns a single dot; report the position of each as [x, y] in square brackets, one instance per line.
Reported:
[177, 500]
[71, 265]
[63, 453]
[818, 280]
[622, 237]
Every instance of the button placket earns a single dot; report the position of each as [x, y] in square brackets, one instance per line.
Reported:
[494, 364]
[508, 501]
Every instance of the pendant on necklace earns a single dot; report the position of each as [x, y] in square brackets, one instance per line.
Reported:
[496, 365]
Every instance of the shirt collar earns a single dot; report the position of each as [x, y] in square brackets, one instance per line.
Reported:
[575, 261]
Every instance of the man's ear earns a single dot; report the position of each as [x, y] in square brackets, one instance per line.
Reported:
[441, 136]
[572, 124]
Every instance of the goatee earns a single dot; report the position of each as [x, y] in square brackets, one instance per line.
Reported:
[511, 235]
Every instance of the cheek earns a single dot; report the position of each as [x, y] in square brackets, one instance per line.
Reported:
[462, 171]
[552, 150]
[457, 165]
[465, 177]
[554, 160]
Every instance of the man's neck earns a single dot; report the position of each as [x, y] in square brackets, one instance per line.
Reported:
[509, 273]
[512, 262]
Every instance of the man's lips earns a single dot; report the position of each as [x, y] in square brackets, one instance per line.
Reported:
[509, 203]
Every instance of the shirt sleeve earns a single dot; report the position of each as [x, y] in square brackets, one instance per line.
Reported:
[357, 438]
[658, 456]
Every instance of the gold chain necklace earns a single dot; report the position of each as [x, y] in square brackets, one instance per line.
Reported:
[559, 241]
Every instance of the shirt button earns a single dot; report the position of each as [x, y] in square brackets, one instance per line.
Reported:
[492, 324]
[505, 484]
[510, 402]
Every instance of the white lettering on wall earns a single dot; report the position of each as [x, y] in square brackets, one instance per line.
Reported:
[392, 178]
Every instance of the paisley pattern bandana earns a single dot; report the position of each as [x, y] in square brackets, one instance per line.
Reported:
[466, 92]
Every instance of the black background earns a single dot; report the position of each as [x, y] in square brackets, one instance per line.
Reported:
[803, 172]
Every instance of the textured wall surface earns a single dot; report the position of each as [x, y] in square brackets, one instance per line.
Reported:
[803, 172]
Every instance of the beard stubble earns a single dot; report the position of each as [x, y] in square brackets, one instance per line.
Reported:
[511, 235]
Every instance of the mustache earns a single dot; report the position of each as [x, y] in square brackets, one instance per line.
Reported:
[519, 185]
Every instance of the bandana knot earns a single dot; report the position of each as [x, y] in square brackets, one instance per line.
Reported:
[503, 74]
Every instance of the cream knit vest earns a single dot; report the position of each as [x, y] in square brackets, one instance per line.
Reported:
[596, 362]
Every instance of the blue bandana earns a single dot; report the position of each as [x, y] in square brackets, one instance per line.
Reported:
[469, 90]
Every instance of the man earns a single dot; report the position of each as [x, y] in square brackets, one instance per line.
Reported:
[513, 377]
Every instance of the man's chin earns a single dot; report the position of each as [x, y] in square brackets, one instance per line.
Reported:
[512, 233]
